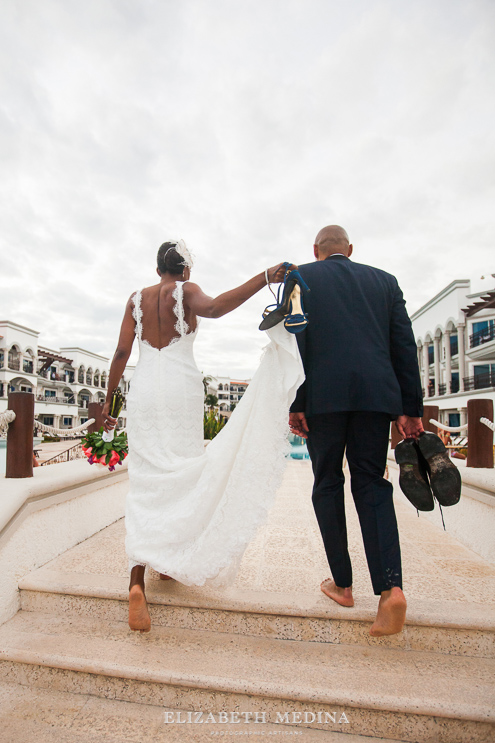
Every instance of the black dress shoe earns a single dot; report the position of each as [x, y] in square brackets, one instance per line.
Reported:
[445, 478]
[413, 478]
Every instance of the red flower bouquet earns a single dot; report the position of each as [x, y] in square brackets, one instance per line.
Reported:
[107, 453]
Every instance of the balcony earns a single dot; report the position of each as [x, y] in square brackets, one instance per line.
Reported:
[480, 381]
[58, 400]
[442, 389]
[482, 336]
[27, 367]
[14, 364]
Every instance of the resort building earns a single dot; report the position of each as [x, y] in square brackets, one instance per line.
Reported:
[455, 335]
[229, 392]
[63, 381]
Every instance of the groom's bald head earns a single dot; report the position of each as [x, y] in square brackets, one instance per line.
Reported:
[330, 240]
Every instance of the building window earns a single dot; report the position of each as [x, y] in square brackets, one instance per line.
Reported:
[454, 419]
[67, 421]
[26, 389]
[48, 420]
[454, 345]
[454, 387]
[50, 393]
[2, 359]
[483, 332]
[83, 420]
[484, 376]
[431, 354]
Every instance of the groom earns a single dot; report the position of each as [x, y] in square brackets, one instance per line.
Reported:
[361, 366]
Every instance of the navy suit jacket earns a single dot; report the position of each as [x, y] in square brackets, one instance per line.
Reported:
[358, 351]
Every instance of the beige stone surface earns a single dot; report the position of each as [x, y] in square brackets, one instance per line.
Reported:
[271, 642]
[287, 561]
[373, 677]
[60, 717]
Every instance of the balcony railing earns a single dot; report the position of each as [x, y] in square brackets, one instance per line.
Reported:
[482, 336]
[442, 389]
[480, 381]
[15, 364]
[64, 400]
[28, 367]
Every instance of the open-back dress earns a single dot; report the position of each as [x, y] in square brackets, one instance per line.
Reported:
[191, 511]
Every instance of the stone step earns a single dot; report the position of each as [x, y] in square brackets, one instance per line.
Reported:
[49, 716]
[442, 626]
[382, 692]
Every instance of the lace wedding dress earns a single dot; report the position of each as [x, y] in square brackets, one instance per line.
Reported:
[191, 511]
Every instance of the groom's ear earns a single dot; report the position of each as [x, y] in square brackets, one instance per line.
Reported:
[158, 272]
[350, 251]
[316, 251]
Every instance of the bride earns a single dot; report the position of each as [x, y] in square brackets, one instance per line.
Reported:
[191, 511]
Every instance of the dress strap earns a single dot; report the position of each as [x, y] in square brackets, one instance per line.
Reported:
[137, 314]
[181, 325]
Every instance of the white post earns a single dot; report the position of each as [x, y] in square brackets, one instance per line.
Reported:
[462, 355]
[448, 362]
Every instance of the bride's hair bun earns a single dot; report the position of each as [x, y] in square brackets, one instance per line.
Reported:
[169, 260]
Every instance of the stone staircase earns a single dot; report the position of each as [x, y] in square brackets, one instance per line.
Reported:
[272, 648]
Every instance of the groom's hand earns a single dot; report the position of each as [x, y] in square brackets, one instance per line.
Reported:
[409, 427]
[298, 424]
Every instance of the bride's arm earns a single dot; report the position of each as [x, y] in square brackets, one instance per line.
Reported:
[204, 306]
[119, 361]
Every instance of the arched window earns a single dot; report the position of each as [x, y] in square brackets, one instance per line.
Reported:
[14, 359]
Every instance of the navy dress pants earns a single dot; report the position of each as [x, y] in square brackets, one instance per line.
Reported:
[364, 437]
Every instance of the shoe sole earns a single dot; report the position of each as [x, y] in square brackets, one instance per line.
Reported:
[445, 478]
[411, 481]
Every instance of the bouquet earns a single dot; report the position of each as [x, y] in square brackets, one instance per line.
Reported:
[104, 447]
[108, 453]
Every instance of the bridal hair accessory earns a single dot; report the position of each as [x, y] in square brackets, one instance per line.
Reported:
[181, 248]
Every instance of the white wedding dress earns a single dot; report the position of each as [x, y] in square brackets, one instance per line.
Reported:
[191, 511]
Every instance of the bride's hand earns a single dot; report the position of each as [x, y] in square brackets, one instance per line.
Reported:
[276, 273]
[109, 423]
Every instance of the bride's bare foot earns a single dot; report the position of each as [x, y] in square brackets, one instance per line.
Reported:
[139, 618]
[342, 596]
[391, 613]
[165, 577]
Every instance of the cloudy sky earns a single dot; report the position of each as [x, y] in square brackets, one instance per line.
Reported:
[243, 128]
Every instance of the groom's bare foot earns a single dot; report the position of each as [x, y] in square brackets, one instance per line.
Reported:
[342, 596]
[139, 618]
[165, 577]
[391, 613]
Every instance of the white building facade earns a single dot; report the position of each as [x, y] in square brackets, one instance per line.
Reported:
[455, 336]
[229, 392]
[63, 381]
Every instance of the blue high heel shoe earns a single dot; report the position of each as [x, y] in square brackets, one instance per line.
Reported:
[290, 309]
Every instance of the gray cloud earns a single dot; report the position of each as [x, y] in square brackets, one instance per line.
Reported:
[243, 128]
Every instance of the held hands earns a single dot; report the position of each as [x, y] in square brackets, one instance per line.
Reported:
[409, 427]
[276, 274]
[109, 423]
[298, 424]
